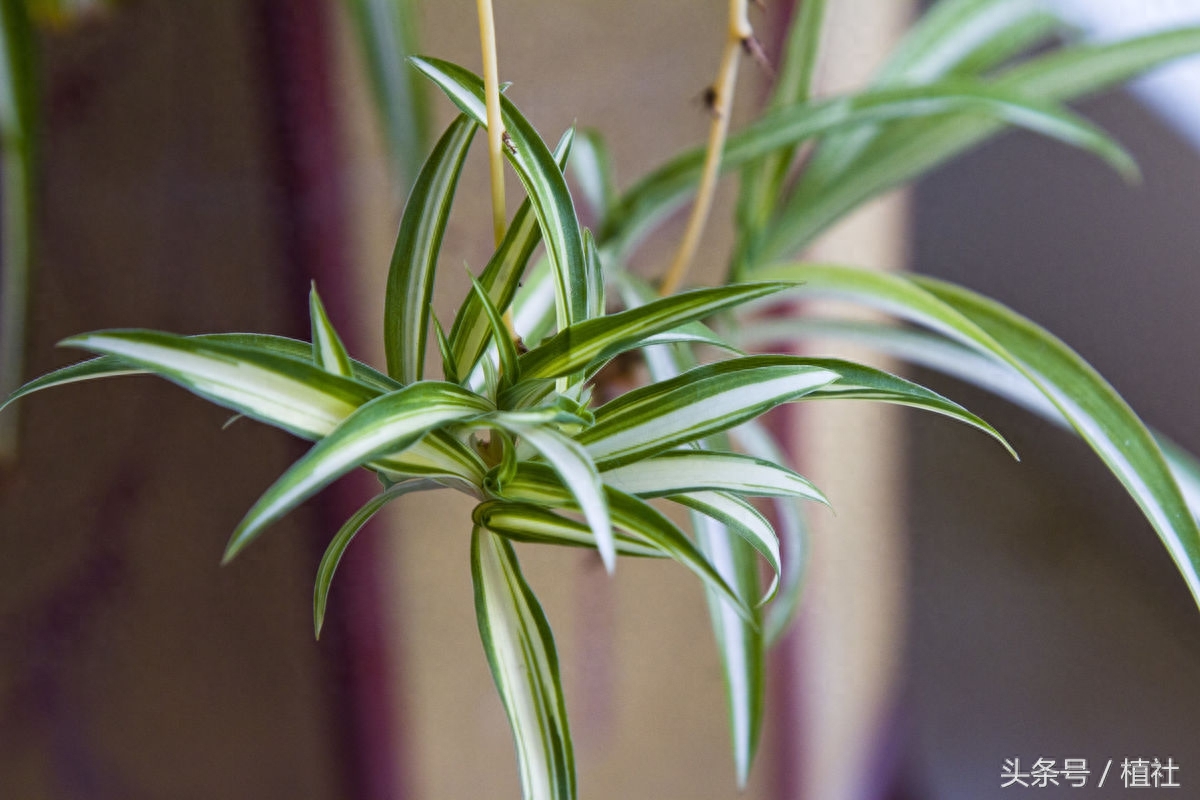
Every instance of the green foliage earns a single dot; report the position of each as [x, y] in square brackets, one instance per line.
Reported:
[512, 424]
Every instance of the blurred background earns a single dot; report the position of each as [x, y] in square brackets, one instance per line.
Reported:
[198, 163]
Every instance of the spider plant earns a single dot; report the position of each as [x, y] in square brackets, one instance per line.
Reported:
[513, 422]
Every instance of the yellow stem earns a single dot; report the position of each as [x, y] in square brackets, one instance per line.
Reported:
[491, 88]
[739, 33]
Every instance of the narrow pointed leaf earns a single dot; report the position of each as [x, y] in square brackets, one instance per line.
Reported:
[502, 276]
[269, 378]
[509, 366]
[525, 522]
[520, 651]
[739, 641]
[696, 404]
[961, 37]
[1094, 409]
[860, 382]
[328, 351]
[108, 366]
[541, 176]
[533, 305]
[969, 365]
[414, 259]
[449, 371]
[299, 397]
[385, 425]
[683, 471]
[597, 340]
[740, 517]
[341, 541]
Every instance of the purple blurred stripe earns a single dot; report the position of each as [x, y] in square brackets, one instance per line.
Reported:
[294, 38]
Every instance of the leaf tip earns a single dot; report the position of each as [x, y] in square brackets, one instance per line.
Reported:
[318, 623]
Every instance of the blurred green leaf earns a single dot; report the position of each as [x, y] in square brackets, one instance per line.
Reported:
[591, 165]
[387, 33]
[660, 192]
[1093, 408]
[18, 108]
[911, 148]
[510, 366]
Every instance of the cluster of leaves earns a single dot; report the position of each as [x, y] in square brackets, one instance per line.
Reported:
[512, 422]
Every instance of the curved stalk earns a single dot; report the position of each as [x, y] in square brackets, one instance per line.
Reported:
[740, 38]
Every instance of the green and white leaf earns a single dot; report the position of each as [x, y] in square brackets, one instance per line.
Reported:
[385, 425]
[696, 404]
[387, 32]
[526, 522]
[1081, 395]
[510, 366]
[470, 333]
[541, 176]
[327, 349]
[595, 341]
[296, 396]
[961, 37]
[414, 259]
[739, 640]
[595, 276]
[341, 541]
[762, 178]
[520, 651]
[860, 382]
[683, 471]
[743, 519]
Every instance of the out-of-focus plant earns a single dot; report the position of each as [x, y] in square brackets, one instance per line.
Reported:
[513, 422]
[386, 32]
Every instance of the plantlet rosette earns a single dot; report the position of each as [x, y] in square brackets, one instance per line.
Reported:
[512, 423]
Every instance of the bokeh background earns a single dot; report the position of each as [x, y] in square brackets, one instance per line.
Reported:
[200, 162]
